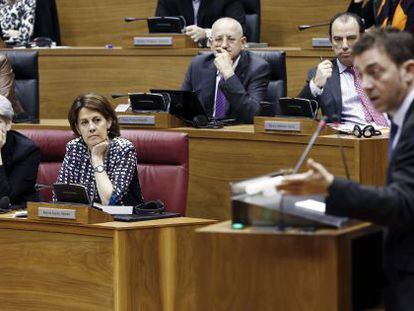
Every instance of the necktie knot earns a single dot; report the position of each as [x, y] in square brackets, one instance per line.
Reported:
[351, 70]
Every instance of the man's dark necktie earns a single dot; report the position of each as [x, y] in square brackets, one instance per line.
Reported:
[221, 103]
[393, 132]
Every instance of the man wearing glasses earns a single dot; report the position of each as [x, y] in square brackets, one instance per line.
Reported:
[230, 82]
[335, 84]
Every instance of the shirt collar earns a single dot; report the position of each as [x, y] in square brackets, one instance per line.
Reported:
[399, 115]
[341, 66]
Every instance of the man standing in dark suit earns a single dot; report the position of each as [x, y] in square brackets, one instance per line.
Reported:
[229, 82]
[385, 61]
[335, 84]
[201, 14]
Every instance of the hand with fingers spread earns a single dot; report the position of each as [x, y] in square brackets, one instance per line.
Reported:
[323, 73]
[316, 180]
[224, 63]
[196, 33]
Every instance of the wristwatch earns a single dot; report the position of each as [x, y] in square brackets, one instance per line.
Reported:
[99, 169]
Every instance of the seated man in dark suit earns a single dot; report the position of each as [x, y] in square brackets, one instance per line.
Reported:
[335, 84]
[201, 14]
[229, 82]
[385, 60]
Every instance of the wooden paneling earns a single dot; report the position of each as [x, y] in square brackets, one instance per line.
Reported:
[44, 271]
[66, 73]
[267, 270]
[99, 22]
[280, 20]
[139, 266]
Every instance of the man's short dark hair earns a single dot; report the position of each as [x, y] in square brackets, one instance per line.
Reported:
[344, 16]
[398, 45]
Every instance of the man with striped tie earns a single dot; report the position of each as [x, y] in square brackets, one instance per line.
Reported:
[335, 83]
[230, 82]
[385, 61]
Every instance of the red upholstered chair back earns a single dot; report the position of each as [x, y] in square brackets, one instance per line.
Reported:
[162, 162]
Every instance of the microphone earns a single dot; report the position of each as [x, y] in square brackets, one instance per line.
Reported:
[118, 95]
[305, 153]
[133, 19]
[307, 26]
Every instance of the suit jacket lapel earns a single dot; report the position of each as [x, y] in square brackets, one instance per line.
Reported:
[210, 74]
[240, 70]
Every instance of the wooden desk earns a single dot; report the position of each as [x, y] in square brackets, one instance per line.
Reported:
[111, 266]
[327, 270]
[233, 153]
[66, 73]
[87, 23]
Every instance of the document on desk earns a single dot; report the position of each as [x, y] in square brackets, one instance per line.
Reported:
[115, 209]
[312, 205]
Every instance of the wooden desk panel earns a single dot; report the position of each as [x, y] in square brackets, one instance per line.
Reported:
[66, 73]
[110, 266]
[268, 270]
[92, 23]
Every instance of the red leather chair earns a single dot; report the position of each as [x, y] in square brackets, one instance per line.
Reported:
[162, 162]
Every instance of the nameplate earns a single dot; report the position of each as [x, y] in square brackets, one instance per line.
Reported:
[140, 120]
[150, 41]
[56, 213]
[321, 43]
[282, 126]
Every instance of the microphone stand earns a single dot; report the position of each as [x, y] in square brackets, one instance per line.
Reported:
[315, 135]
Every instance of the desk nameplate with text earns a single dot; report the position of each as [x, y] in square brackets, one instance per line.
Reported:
[136, 119]
[56, 213]
[287, 126]
[153, 41]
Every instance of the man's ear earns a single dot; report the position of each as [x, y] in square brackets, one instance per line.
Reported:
[8, 125]
[408, 71]
[243, 41]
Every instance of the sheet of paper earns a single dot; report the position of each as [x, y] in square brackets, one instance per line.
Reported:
[313, 205]
[115, 209]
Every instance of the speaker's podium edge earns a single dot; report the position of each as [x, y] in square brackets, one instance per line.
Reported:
[66, 213]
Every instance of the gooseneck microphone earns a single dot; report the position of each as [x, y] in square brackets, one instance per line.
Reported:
[305, 153]
[307, 26]
[118, 95]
